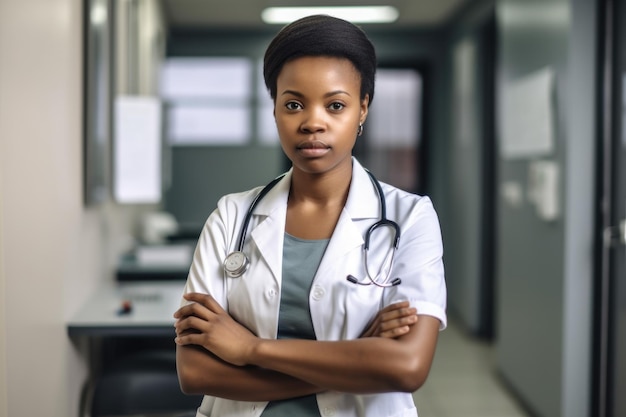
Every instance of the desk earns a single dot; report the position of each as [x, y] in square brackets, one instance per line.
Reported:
[131, 357]
[153, 306]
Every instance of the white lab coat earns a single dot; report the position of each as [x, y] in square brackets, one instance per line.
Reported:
[340, 310]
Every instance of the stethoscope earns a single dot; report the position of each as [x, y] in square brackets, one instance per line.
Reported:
[237, 262]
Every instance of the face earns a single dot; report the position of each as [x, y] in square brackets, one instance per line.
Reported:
[318, 110]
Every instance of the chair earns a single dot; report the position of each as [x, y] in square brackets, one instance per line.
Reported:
[145, 384]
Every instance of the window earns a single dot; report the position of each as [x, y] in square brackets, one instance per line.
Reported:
[208, 100]
[393, 130]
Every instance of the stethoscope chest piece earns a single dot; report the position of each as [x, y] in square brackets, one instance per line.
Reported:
[235, 264]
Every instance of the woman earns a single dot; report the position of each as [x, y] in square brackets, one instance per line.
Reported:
[293, 336]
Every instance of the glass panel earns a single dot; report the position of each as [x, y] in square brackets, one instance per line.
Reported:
[394, 119]
[391, 139]
[206, 77]
[268, 135]
[208, 125]
[209, 100]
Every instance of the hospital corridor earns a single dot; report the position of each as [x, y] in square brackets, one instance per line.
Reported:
[464, 381]
[492, 162]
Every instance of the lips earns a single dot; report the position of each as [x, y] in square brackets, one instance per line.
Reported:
[314, 144]
[312, 148]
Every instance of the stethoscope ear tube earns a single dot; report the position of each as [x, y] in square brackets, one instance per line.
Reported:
[354, 280]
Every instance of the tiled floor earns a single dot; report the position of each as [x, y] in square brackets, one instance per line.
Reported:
[463, 381]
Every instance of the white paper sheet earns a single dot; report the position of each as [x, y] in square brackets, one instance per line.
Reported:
[527, 116]
[137, 150]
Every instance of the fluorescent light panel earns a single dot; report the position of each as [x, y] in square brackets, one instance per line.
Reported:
[356, 14]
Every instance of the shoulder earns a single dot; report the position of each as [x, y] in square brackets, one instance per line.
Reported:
[401, 206]
[404, 200]
[243, 198]
[409, 209]
[230, 208]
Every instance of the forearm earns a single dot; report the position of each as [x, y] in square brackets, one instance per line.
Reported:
[359, 366]
[368, 365]
[200, 372]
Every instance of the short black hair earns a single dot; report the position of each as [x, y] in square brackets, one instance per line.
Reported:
[321, 35]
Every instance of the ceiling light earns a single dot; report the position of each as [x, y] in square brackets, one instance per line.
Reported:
[356, 14]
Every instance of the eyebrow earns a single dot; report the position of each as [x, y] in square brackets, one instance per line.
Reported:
[329, 94]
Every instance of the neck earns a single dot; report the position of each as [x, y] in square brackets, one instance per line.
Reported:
[321, 189]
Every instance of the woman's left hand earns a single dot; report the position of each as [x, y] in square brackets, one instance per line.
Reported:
[205, 323]
[393, 321]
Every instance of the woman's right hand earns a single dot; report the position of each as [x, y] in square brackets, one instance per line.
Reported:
[392, 321]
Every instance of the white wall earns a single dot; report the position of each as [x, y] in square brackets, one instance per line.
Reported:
[53, 250]
[3, 368]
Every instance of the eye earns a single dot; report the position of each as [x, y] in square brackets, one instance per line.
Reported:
[336, 106]
[293, 105]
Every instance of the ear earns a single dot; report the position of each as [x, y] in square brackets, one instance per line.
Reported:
[364, 109]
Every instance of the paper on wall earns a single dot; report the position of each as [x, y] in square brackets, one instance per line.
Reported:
[137, 150]
[527, 116]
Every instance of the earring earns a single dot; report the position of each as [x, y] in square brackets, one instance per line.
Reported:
[359, 132]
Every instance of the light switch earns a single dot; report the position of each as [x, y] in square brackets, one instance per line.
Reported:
[543, 188]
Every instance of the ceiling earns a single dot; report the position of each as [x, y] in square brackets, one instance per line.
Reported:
[246, 14]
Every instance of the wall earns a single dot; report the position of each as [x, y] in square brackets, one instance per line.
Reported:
[468, 222]
[54, 251]
[3, 351]
[580, 233]
[544, 269]
[40, 130]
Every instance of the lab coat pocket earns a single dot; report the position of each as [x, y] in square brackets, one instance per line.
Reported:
[359, 305]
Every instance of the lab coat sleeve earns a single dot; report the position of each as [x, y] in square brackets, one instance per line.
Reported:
[419, 262]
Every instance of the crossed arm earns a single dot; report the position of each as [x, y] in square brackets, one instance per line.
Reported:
[218, 356]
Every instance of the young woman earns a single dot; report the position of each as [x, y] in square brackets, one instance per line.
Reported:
[297, 331]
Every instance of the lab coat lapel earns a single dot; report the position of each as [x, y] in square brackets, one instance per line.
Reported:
[362, 207]
[270, 216]
[346, 238]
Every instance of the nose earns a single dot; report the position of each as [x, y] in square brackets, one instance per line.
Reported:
[314, 121]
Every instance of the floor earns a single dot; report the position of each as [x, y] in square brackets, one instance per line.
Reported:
[463, 382]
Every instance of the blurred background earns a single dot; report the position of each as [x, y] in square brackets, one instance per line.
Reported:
[122, 122]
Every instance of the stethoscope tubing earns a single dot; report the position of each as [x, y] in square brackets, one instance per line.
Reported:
[383, 222]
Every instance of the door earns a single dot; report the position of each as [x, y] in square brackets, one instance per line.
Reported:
[611, 301]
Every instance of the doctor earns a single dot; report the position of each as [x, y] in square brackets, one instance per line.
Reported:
[299, 332]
